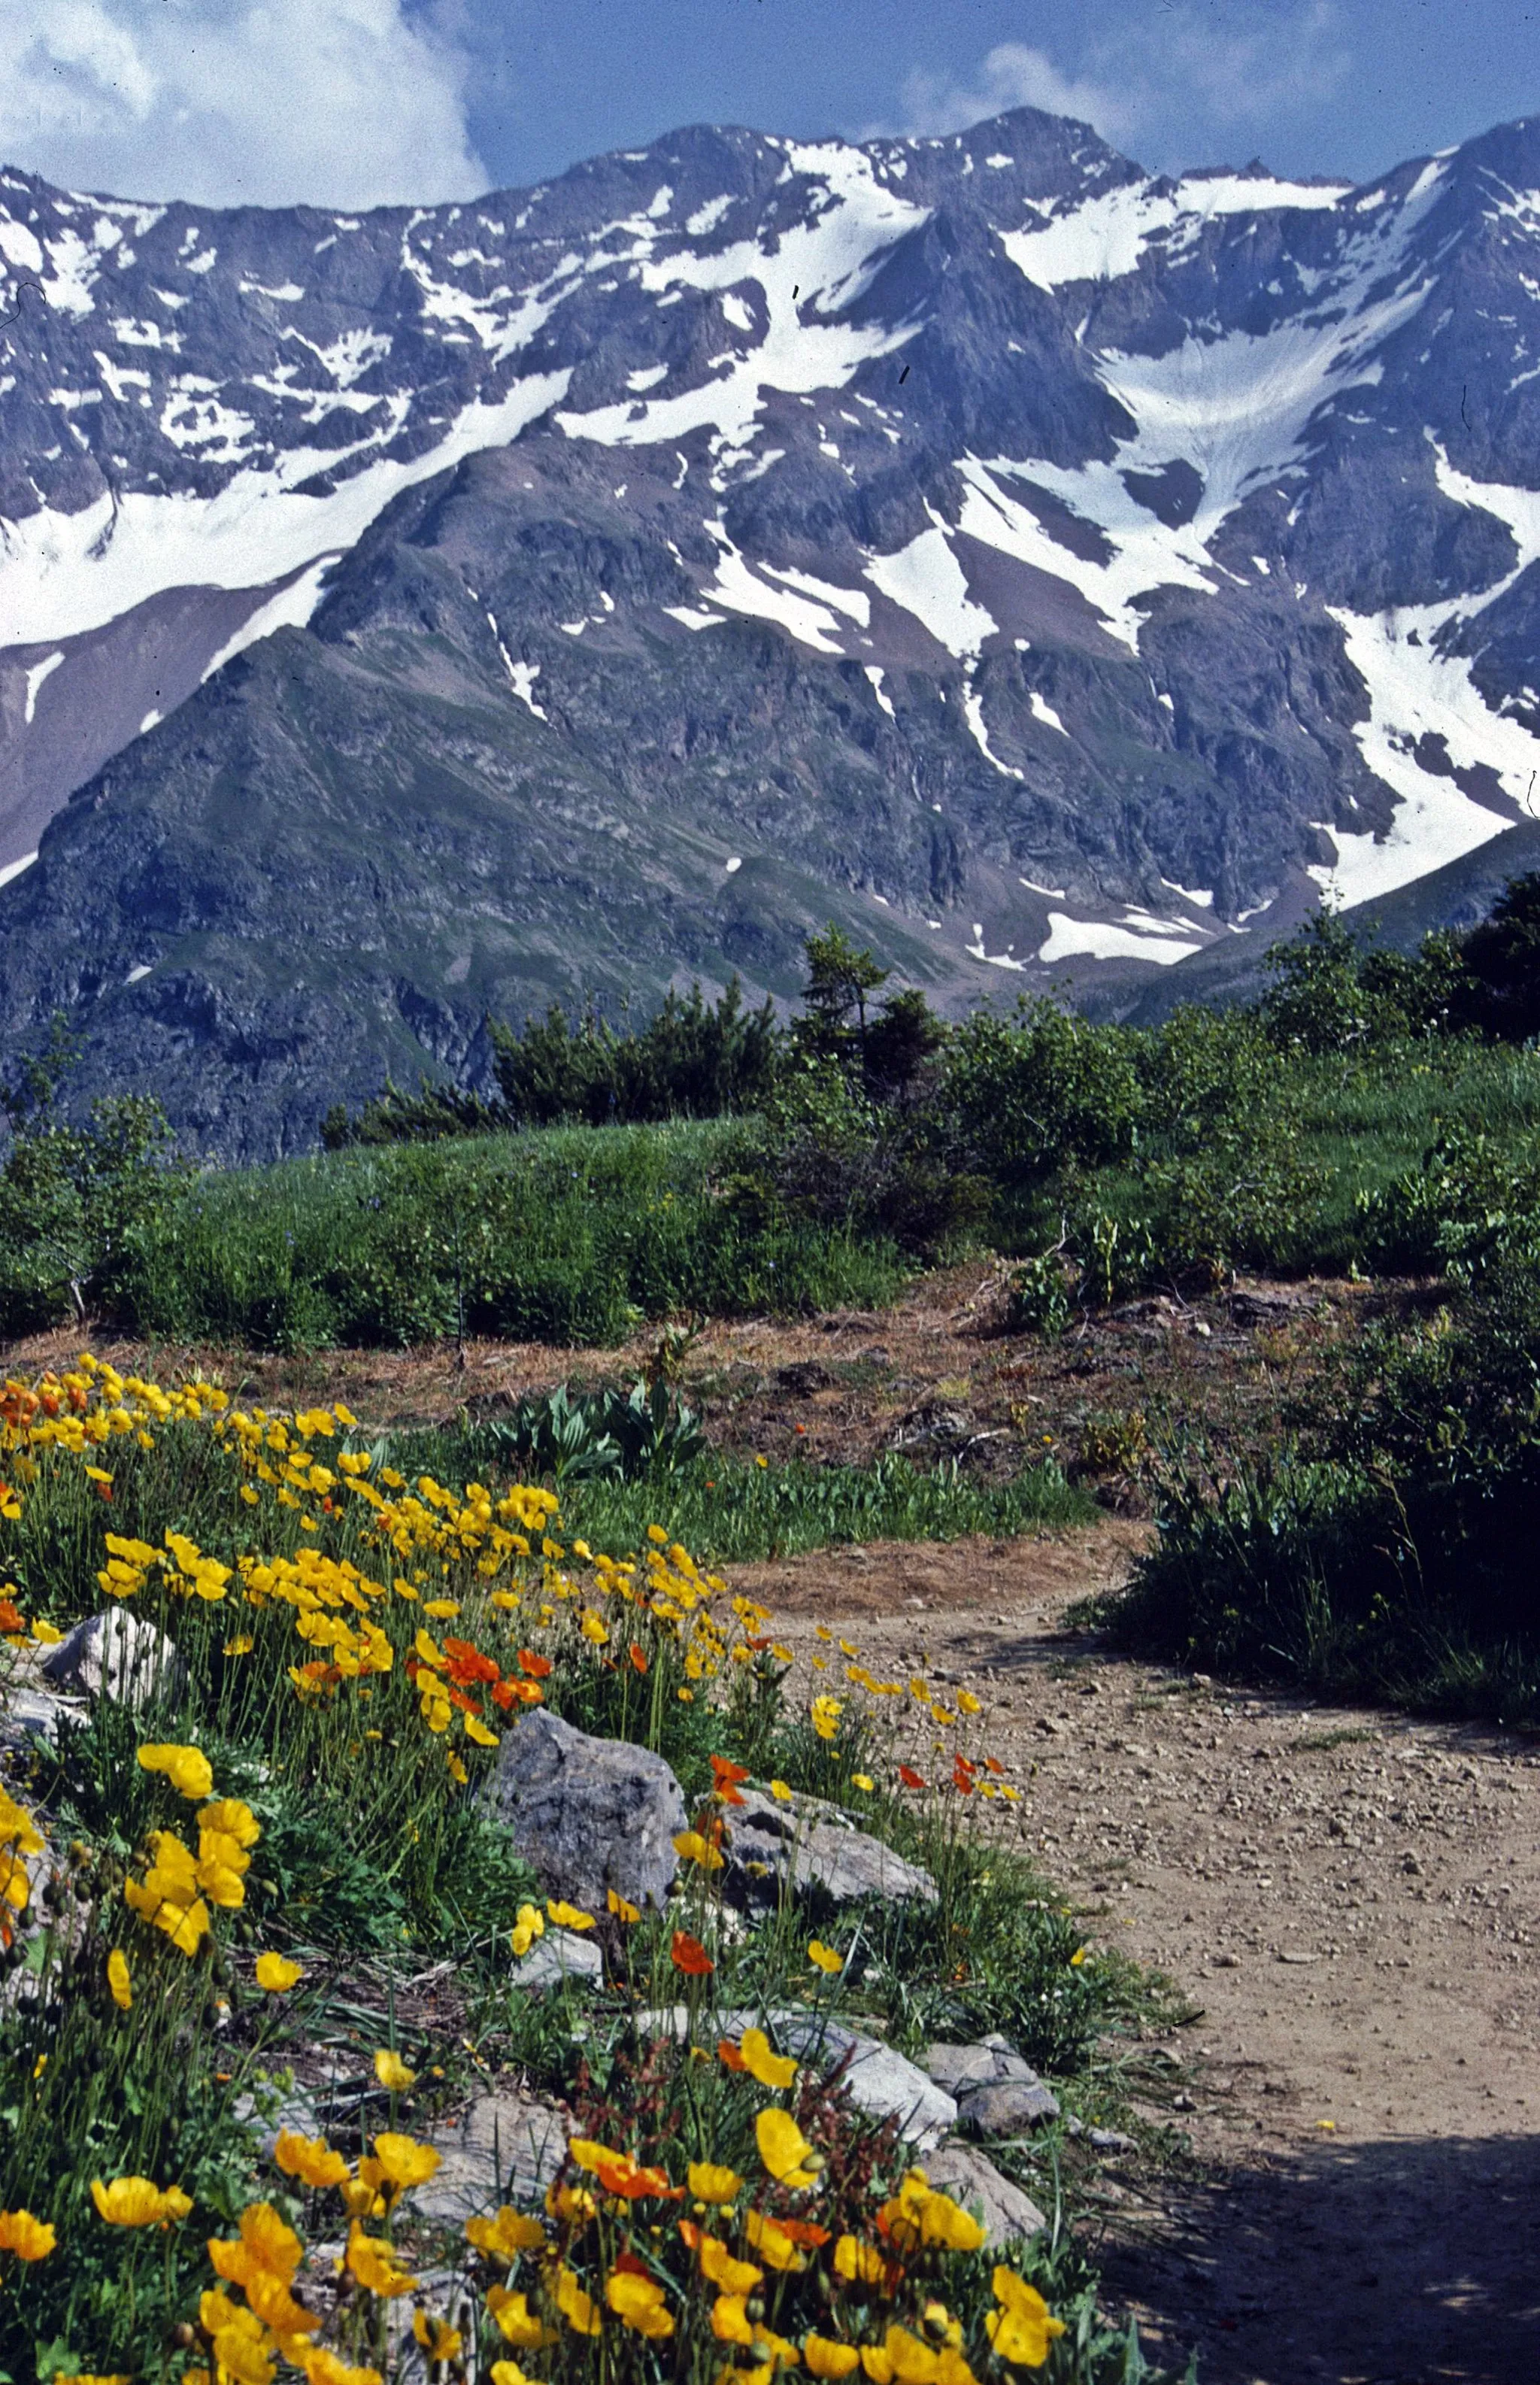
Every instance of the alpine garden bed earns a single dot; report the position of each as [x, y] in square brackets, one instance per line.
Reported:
[304, 1918]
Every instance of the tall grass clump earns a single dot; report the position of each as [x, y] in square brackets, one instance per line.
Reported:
[572, 1235]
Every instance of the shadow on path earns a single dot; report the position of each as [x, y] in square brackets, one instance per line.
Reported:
[1397, 2262]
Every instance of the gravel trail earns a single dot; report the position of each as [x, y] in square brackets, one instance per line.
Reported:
[1353, 1901]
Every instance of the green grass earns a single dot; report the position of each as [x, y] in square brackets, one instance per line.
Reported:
[732, 1511]
[568, 1235]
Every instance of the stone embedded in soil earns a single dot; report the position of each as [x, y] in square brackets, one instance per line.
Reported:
[997, 2092]
[810, 1847]
[589, 1813]
[505, 2148]
[117, 1655]
[28, 1714]
[561, 1959]
[879, 2081]
[971, 2178]
[979, 2065]
[1006, 2106]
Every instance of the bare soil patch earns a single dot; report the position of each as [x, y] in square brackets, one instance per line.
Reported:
[1352, 1901]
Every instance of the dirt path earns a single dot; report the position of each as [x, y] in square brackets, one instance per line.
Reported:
[1353, 1901]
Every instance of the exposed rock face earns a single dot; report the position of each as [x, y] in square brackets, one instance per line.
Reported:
[813, 1849]
[560, 1958]
[1037, 565]
[998, 2094]
[505, 2148]
[589, 1813]
[116, 1654]
[879, 2081]
[970, 2178]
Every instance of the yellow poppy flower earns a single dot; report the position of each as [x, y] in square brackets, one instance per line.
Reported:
[119, 1980]
[734, 2277]
[712, 2182]
[187, 1769]
[568, 1916]
[516, 2322]
[504, 2236]
[374, 2265]
[692, 1848]
[729, 2320]
[859, 2264]
[579, 2309]
[776, 2070]
[827, 1957]
[438, 2340]
[275, 1974]
[309, 2158]
[1022, 2330]
[824, 2357]
[29, 2238]
[391, 2072]
[138, 2202]
[622, 1910]
[403, 2160]
[784, 2150]
[775, 2247]
[639, 2303]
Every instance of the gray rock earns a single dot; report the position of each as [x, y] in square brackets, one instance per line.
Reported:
[984, 2064]
[879, 2081]
[589, 1813]
[28, 1714]
[810, 1847]
[116, 1655]
[560, 1957]
[956, 2067]
[971, 2178]
[1004, 2107]
[506, 2148]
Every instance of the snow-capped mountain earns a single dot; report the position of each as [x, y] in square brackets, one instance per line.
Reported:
[1041, 566]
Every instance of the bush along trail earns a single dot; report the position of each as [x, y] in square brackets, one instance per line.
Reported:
[435, 1948]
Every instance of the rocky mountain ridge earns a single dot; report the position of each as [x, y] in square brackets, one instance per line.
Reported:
[1049, 571]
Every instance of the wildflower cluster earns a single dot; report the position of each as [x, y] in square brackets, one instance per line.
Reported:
[348, 1633]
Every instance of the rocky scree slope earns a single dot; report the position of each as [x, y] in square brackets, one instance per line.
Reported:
[1046, 568]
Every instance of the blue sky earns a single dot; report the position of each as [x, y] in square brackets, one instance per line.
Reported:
[351, 102]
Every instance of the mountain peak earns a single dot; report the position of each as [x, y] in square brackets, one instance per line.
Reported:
[1058, 566]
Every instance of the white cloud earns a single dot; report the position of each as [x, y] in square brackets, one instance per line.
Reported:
[341, 103]
[1166, 79]
[1014, 75]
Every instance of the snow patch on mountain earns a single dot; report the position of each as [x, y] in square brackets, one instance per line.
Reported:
[1102, 238]
[925, 578]
[807, 273]
[61, 573]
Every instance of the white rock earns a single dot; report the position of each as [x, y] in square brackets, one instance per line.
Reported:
[116, 1654]
[561, 1955]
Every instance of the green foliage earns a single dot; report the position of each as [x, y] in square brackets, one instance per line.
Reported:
[1501, 964]
[567, 1437]
[1387, 1551]
[824, 1153]
[1041, 1090]
[74, 1200]
[694, 1059]
[569, 1236]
